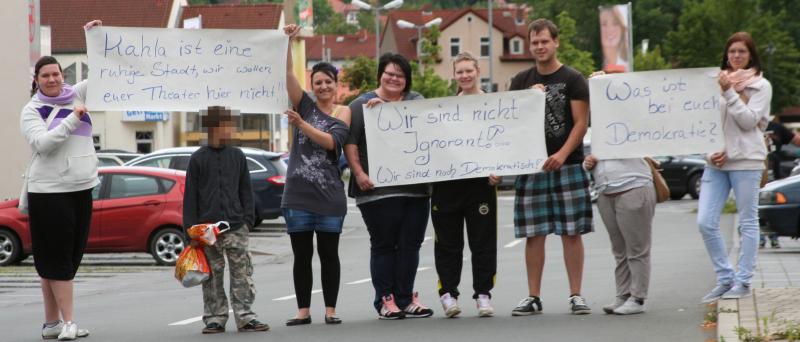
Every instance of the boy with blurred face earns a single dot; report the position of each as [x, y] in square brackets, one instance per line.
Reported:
[218, 189]
[555, 201]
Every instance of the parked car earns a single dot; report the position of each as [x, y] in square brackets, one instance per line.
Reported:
[683, 174]
[115, 157]
[267, 174]
[154, 197]
[779, 207]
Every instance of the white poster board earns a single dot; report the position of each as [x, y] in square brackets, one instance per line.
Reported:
[656, 113]
[159, 69]
[455, 137]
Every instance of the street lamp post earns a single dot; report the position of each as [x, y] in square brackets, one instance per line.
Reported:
[365, 6]
[408, 25]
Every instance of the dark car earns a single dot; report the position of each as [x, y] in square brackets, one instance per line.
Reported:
[153, 196]
[267, 174]
[682, 174]
[779, 207]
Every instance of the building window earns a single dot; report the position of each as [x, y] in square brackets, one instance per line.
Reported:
[455, 46]
[97, 142]
[516, 46]
[484, 46]
[69, 74]
[144, 141]
[84, 71]
[352, 18]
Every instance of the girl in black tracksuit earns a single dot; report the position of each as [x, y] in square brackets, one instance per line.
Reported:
[473, 201]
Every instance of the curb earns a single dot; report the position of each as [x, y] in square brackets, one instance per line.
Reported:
[727, 319]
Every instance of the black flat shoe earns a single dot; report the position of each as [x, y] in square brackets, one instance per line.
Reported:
[332, 320]
[298, 321]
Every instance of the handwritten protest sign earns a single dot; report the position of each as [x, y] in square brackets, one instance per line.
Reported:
[186, 70]
[668, 112]
[455, 137]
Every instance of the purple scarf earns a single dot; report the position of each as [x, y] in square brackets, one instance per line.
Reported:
[64, 98]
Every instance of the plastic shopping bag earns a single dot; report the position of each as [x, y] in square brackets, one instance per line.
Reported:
[206, 233]
[192, 268]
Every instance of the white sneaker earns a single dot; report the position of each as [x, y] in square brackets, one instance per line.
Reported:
[630, 307]
[484, 305]
[51, 333]
[450, 305]
[69, 332]
[609, 309]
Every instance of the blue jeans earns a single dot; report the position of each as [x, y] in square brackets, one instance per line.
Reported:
[714, 189]
[396, 228]
[298, 220]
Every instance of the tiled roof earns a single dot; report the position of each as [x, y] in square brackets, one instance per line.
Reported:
[262, 16]
[406, 39]
[343, 46]
[341, 7]
[66, 18]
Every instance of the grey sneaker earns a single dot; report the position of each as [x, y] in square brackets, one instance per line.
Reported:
[578, 306]
[630, 307]
[738, 291]
[528, 306]
[51, 333]
[609, 309]
[716, 293]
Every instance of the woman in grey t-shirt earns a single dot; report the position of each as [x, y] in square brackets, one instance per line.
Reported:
[313, 197]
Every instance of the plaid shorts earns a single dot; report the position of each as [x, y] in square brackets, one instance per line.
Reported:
[556, 202]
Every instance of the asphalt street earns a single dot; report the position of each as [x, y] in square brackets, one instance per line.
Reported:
[128, 298]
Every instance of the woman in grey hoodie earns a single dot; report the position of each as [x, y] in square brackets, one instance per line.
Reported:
[745, 106]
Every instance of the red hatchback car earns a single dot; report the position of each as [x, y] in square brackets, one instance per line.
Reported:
[136, 209]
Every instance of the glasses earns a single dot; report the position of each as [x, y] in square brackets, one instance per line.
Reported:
[397, 76]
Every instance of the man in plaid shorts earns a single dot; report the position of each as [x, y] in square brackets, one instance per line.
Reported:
[555, 201]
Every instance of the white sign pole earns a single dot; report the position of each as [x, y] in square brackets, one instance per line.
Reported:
[456, 137]
[656, 113]
[155, 69]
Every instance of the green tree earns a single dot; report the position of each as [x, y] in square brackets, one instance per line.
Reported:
[336, 24]
[366, 20]
[425, 79]
[568, 53]
[705, 25]
[652, 60]
[360, 74]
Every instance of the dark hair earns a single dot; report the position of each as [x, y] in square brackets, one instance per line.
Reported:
[45, 60]
[542, 24]
[325, 68]
[400, 61]
[745, 38]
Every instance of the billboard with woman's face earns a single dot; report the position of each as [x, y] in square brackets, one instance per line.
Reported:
[616, 38]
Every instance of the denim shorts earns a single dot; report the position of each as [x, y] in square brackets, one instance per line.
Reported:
[298, 221]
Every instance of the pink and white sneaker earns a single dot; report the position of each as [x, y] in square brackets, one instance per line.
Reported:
[484, 304]
[416, 309]
[389, 309]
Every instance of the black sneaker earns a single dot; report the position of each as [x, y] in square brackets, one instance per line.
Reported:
[527, 307]
[254, 325]
[578, 305]
[213, 328]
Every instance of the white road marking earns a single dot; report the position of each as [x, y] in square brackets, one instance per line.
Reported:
[360, 281]
[294, 295]
[423, 269]
[191, 320]
[513, 243]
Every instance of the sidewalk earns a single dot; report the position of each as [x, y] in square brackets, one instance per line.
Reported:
[774, 306]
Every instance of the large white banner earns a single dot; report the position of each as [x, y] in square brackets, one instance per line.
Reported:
[159, 69]
[656, 113]
[456, 137]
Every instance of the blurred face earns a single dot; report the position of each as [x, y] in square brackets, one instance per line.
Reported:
[224, 131]
[323, 86]
[393, 80]
[50, 80]
[543, 47]
[610, 29]
[738, 56]
[467, 75]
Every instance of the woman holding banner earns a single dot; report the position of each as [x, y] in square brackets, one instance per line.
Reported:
[473, 201]
[745, 106]
[313, 198]
[396, 216]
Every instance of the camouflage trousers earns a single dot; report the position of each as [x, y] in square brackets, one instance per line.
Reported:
[234, 246]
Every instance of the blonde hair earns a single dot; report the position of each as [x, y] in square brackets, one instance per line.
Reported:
[463, 57]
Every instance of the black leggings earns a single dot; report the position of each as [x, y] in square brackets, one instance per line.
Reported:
[328, 249]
